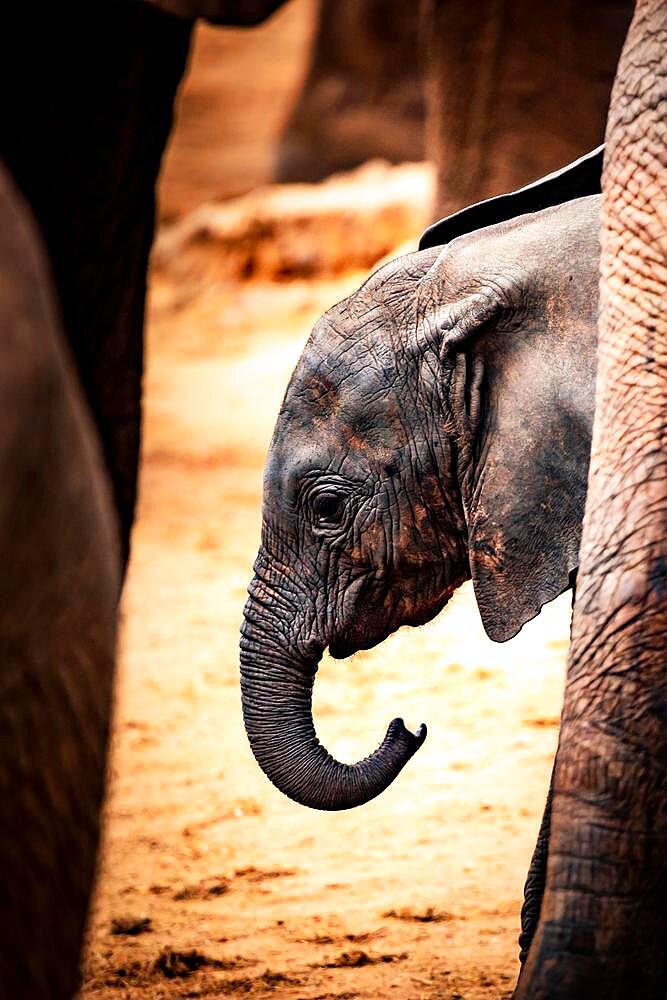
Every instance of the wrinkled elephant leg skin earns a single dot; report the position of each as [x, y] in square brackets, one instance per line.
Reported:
[603, 923]
[86, 99]
[59, 585]
[606, 877]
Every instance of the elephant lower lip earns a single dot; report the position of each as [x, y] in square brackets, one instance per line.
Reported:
[340, 650]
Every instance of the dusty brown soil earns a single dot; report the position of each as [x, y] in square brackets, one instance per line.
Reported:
[212, 883]
[349, 221]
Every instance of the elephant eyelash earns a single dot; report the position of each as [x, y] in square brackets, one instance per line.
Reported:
[327, 496]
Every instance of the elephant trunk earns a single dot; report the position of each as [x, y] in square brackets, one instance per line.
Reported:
[277, 687]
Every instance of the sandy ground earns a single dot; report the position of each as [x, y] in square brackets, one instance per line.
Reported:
[229, 888]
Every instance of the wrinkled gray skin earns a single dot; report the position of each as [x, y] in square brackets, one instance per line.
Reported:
[437, 427]
[603, 917]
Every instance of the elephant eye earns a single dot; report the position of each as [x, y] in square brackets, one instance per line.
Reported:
[328, 509]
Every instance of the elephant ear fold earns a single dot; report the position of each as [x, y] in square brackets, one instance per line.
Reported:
[524, 506]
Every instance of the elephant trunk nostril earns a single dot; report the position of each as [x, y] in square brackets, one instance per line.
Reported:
[399, 734]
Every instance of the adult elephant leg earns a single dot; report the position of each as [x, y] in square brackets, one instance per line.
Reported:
[86, 98]
[363, 95]
[603, 922]
[59, 584]
[499, 75]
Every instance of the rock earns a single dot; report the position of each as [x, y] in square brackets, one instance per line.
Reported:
[131, 925]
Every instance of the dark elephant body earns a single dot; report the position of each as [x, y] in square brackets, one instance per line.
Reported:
[85, 111]
[86, 107]
[437, 427]
[59, 585]
[363, 95]
[479, 88]
[514, 89]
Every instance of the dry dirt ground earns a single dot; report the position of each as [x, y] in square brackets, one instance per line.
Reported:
[213, 884]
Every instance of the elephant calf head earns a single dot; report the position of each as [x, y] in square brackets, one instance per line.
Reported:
[436, 427]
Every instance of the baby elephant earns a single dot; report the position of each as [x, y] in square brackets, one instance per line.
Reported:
[437, 427]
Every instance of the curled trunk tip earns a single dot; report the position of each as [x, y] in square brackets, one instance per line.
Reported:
[277, 687]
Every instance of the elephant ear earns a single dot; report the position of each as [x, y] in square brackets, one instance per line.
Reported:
[524, 489]
[577, 179]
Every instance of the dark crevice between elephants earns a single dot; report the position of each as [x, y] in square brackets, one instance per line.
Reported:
[533, 891]
[85, 112]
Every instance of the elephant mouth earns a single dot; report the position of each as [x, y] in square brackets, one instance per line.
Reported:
[341, 649]
[347, 642]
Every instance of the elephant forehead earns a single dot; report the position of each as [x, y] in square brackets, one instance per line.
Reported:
[357, 383]
[353, 439]
[351, 418]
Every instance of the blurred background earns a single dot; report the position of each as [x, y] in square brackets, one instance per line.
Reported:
[304, 152]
